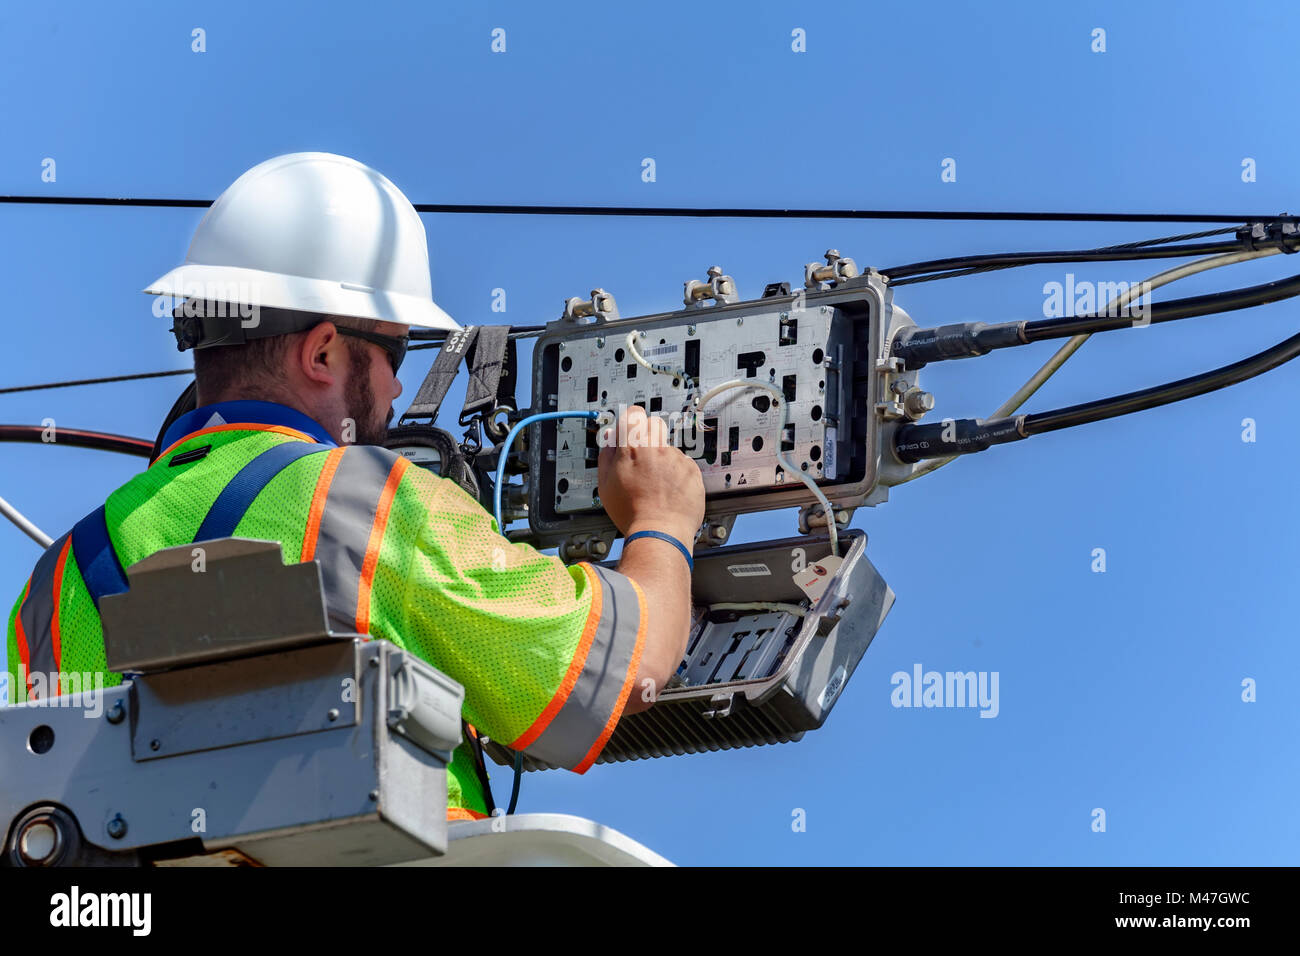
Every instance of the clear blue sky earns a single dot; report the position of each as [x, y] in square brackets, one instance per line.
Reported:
[1119, 690]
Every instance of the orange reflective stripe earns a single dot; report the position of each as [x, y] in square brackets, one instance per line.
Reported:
[57, 595]
[576, 665]
[238, 427]
[464, 813]
[20, 635]
[318, 503]
[376, 539]
[610, 724]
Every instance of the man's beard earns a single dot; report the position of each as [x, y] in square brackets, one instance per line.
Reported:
[361, 399]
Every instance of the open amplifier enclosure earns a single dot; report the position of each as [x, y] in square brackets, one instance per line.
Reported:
[825, 349]
[756, 677]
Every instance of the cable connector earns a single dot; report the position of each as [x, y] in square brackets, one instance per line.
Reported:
[1283, 235]
[961, 436]
[917, 346]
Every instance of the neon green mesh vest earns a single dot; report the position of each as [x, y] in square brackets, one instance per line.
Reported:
[547, 653]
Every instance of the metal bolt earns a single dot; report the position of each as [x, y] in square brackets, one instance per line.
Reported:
[918, 402]
[333, 713]
[599, 548]
[116, 714]
[719, 532]
[741, 320]
[714, 271]
[690, 330]
[154, 744]
[117, 827]
[832, 255]
[785, 315]
[374, 794]
[561, 346]
[600, 342]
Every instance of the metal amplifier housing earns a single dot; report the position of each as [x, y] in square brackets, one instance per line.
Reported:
[824, 349]
[753, 677]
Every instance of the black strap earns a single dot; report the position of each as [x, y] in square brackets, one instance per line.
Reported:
[492, 367]
[445, 368]
[480, 765]
[185, 403]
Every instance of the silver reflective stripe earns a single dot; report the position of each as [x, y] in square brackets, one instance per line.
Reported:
[38, 613]
[345, 524]
[581, 721]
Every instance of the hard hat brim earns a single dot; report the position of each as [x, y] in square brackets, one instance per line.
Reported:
[274, 290]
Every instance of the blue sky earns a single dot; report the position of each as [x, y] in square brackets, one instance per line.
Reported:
[1119, 690]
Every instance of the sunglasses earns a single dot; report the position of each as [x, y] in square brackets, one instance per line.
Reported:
[394, 345]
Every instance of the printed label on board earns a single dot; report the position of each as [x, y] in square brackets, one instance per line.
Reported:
[749, 570]
[828, 451]
[659, 350]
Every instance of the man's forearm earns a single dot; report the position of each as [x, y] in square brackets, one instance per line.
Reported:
[661, 572]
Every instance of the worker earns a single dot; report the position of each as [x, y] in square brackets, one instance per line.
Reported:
[300, 287]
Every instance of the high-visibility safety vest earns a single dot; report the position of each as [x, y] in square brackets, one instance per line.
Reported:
[547, 653]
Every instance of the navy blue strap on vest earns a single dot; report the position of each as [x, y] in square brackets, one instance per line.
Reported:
[229, 508]
[96, 559]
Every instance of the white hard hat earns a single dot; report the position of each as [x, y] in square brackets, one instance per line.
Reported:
[312, 232]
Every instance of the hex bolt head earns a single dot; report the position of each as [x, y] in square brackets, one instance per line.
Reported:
[116, 714]
[333, 713]
[918, 402]
[374, 794]
[155, 744]
[117, 827]
[718, 532]
[600, 342]
[714, 271]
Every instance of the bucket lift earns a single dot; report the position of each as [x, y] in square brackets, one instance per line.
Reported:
[247, 733]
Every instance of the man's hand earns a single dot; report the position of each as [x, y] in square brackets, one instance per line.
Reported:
[647, 485]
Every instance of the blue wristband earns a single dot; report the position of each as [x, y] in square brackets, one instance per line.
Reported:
[686, 552]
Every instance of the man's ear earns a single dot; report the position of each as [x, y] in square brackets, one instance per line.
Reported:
[321, 355]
